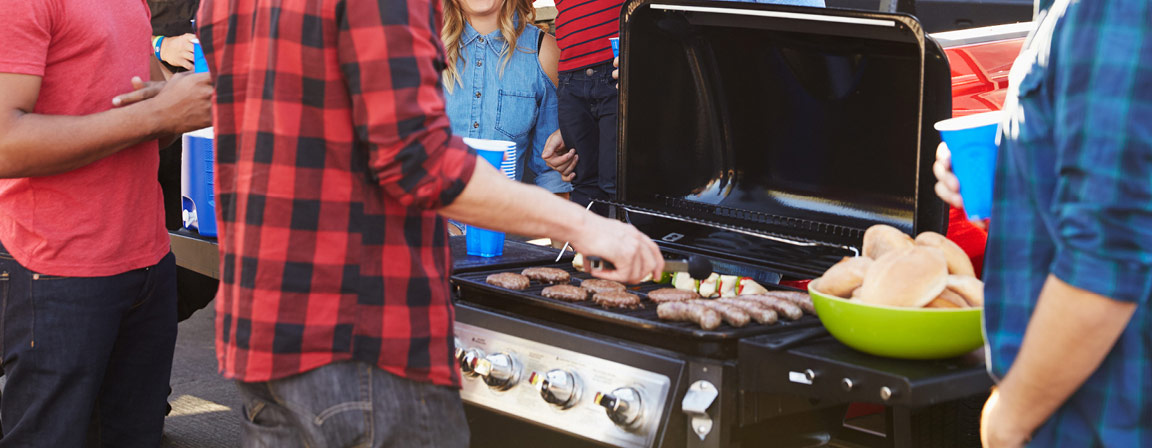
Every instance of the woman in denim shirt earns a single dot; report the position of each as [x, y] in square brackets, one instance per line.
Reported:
[493, 93]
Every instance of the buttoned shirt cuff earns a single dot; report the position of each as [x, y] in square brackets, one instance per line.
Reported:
[457, 164]
[1117, 279]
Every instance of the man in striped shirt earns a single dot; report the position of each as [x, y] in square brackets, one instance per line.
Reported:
[588, 97]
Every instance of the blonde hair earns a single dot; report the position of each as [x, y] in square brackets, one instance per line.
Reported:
[510, 29]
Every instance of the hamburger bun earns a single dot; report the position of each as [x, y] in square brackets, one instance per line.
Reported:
[947, 299]
[958, 261]
[881, 239]
[844, 277]
[970, 289]
[909, 277]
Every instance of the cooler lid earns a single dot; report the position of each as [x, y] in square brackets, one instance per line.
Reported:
[744, 127]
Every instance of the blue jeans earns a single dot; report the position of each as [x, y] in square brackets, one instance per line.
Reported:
[587, 108]
[87, 358]
[351, 404]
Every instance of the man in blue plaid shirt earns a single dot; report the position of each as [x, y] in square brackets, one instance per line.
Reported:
[1068, 269]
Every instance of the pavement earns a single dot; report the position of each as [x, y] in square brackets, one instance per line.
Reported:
[205, 406]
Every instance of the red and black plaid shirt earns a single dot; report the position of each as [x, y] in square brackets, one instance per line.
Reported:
[333, 153]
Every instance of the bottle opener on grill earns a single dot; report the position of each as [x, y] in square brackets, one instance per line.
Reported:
[696, 266]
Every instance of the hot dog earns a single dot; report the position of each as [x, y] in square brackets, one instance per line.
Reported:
[706, 318]
[734, 316]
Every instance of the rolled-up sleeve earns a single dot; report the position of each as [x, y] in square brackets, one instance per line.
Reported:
[391, 56]
[1103, 200]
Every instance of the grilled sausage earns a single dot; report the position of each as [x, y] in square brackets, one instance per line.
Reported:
[508, 280]
[760, 313]
[733, 316]
[782, 307]
[706, 318]
[663, 295]
[597, 285]
[567, 293]
[800, 299]
[617, 299]
[547, 275]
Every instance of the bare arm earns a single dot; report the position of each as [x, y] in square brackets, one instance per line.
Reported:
[159, 74]
[556, 154]
[39, 145]
[1070, 333]
[550, 58]
[492, 201]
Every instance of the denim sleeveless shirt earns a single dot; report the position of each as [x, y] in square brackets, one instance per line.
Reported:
[518, 106]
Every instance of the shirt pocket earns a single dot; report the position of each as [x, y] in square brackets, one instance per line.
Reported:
[515, 113]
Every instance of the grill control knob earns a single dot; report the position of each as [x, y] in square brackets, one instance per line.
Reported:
[468, 359]
[624, 406]
[558, 387]
[499, 370]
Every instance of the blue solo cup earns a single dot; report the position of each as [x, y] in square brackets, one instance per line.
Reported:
[972, 141]
[615, 46]
[200, 65]
[484, 242]
[493, 157]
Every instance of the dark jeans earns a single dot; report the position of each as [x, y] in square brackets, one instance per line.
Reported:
[587, 106]
[351, 404]
[87, 359]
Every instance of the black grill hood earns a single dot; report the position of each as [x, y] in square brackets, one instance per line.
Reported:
[774, 135]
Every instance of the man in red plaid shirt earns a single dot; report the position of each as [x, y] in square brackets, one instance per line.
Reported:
[335, 165]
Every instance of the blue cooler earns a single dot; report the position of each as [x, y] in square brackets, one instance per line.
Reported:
[198, 202]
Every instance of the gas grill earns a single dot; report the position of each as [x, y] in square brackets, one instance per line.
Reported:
[765, 138]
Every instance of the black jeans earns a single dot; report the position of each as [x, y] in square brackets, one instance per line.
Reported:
[87, 359]
[588, 100]
[351, 404]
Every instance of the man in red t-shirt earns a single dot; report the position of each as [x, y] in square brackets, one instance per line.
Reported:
[87, 280]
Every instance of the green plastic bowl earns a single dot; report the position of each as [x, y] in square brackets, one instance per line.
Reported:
[909, 333]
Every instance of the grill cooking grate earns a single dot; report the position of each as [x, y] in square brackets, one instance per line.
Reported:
[473, 284]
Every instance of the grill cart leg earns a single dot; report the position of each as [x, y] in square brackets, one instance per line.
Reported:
[900, 427]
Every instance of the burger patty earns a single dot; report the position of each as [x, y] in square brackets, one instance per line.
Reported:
[597, 285]
[664, 295]
[567, 293]
[547, 275]
[508, 280]
[617, 299]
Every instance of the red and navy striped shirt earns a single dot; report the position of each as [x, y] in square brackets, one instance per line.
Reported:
[583, 28]
[333, 153]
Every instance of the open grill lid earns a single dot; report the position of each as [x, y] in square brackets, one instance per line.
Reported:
[774, 135]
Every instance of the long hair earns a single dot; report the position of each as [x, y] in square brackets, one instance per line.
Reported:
[510, 29]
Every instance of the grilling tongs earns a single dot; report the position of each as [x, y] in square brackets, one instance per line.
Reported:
[698, 267]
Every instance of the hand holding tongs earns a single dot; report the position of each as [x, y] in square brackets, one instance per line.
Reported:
[698, 267]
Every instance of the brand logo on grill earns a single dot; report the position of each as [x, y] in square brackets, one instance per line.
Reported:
[672, 237]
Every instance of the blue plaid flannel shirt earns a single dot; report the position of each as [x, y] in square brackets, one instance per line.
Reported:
[1073, 197]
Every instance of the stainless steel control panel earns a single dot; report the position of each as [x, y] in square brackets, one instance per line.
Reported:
[590, 397]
